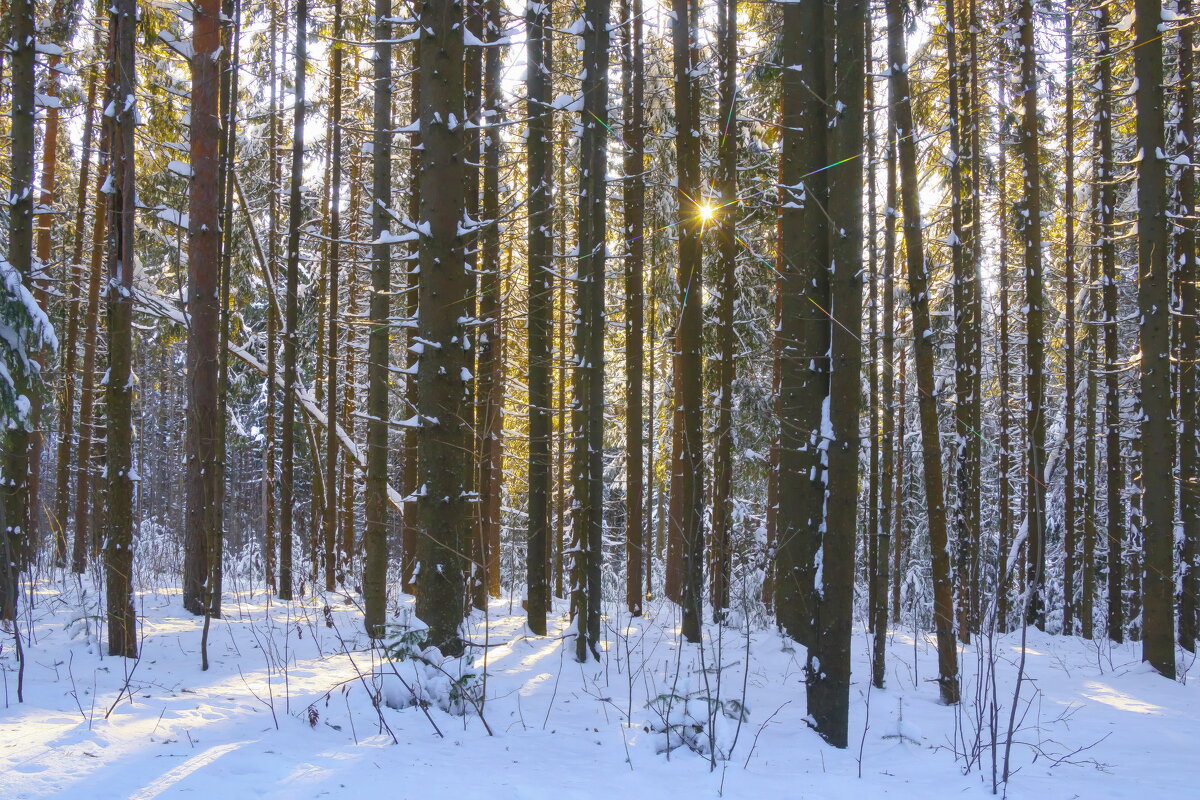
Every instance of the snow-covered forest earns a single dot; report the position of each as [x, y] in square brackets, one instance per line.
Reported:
[476, 398]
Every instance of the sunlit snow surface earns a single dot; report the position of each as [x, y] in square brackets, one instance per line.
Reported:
[562, 730]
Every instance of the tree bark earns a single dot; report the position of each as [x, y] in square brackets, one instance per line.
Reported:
[828, 679]
[539, 172]
[923, 347]
[804, 329]
[375, 544]
[1189, 354]
[588, 519]
[726, 290]
[118, 538]
[1154, 303]
[295, 216]
[204, 511]
[1029, 211]
[444, 437]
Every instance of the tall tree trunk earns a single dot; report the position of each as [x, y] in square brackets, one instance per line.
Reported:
[963, 325]
[444, 437]
[18, 517]
[87, 394]
[1004, 511]
[1115, 480]
[204, 512]
[972, 224]
[42, 253]
[539, 172]
[1154, 303]
[803, 326]
[923, 347]
[632, 199]
[1089, 506]
[1189, 351]
[1030, 215]
[329, 527]
[828, 678]
[687, 468]
[375, 543]
[887, 456]
[287, 471]
[490, 383]
[589, 371]
[1070, 517]
[408, 544]
[118, 534]
[66, 411]
[270, 508]
[726, 290]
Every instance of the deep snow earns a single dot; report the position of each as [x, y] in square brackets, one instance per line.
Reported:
[286, 711]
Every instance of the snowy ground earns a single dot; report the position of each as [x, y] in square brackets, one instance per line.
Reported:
[286, 711]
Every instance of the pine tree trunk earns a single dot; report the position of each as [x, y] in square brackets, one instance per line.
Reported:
[329, 526]
[1189, 352]
[726, 290]
[687, 469]
[204, 512]
[923, 347]
[17, 514]
[375, 543]
[589, 371]
[66, 411]
[963, 325]
[1154, 303]
[887, 399]
[444, 437]
[828, 680]
[539, 171]
[1087, 600]
[118, 533]
[409, 484]
[287, 471]
[87, 394]
[1029, 211]
[803, 326]
[1070, 517]
[270, 508]
[1004, 499]
[1115, 481]
[490, 385]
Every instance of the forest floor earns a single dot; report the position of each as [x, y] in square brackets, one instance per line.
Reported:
[286, 711]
